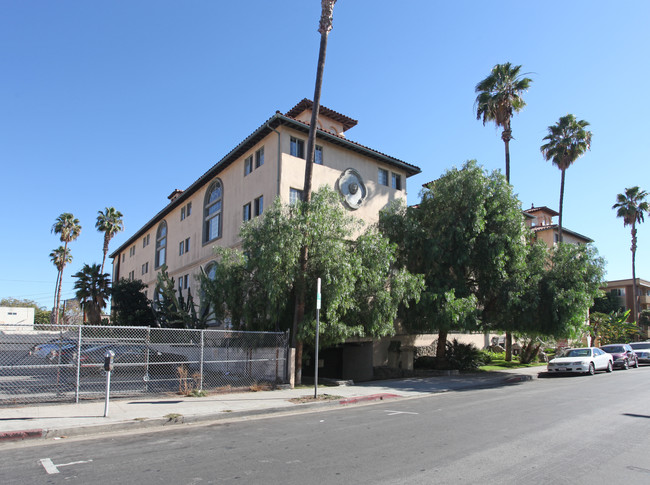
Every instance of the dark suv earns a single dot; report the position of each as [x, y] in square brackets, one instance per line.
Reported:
[623, 354]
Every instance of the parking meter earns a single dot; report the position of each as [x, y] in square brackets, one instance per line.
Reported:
[109, 356]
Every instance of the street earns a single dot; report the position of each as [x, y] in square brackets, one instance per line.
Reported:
[575, 430]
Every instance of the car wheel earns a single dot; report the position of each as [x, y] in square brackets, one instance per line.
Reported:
[626, 364]
[609, 366]
[592, 369]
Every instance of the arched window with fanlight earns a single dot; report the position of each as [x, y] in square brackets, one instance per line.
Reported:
[161, 244]
[212, 210]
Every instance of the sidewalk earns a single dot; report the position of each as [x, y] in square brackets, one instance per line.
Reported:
[52, 421]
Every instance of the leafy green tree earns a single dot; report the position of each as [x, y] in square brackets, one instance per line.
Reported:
[361, 288]
[67, 227]
[172, 310]
[93, 291]
[129, 305]
[631, 207]
[566, 141]
[612, 328]
[499, 97]
[467, 238]
[110, 223]
[559, 287]
[607, 303]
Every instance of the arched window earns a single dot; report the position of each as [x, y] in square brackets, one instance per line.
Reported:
[212, 209]
[161, 244]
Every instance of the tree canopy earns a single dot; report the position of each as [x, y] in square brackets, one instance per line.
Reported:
[361, 289]
[129, 305]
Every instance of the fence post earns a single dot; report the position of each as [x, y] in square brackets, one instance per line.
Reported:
[76, 389]
[201, 361]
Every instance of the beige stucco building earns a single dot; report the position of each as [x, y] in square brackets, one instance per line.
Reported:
[269, 163]
[540, 221]
[624, 290]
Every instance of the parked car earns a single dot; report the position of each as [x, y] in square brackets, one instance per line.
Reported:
[623, 354]
[50, 349]
[585, 360]
[132, 359]
[642, 351]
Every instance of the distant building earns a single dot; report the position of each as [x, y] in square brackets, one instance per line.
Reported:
[16, 319]
[624, 290]
[540, 221]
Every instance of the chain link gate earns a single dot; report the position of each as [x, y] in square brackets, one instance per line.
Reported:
[65, 362]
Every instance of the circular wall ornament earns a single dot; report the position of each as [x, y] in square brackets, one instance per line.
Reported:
[351, 188]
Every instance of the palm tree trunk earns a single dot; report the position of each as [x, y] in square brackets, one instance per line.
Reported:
[56, 289]
[635, 303]
[506, 136]
[299, 311]
[58, 293]
[107, 240]
[561, 206]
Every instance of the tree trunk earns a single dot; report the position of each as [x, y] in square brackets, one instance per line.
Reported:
[441, 349]
[58, 293]
[508, 347]
[506, 136]
[107, 239]
[559, 237]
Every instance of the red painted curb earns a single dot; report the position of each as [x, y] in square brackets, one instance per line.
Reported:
[21, 435]
[372, 397]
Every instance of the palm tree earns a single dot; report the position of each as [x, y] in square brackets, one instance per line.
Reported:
[499, 96]
[93, 289]
[567, 140]
[59, 257]
[630, 207]
[110, 223]
[324, 27]
[68, 229]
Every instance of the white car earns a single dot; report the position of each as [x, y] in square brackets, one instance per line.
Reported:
[585, 360]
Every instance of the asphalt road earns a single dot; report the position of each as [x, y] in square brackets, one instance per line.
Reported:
[578, 430]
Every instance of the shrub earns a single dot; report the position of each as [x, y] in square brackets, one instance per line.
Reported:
[463, 356]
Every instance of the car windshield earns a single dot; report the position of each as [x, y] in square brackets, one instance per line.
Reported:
[579, 353]
[613, 348]
[639, 346]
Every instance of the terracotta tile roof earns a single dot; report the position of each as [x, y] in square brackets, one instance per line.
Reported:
[542, 209]
[306, 104]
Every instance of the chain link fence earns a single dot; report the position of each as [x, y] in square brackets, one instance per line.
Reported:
[66, 362]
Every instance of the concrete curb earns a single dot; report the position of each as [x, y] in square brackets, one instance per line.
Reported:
[21, 435]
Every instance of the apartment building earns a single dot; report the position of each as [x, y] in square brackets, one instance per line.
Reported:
[268, 163]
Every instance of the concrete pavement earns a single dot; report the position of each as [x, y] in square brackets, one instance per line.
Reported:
[54, 421]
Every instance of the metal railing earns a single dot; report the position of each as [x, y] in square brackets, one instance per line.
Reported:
[65, 362]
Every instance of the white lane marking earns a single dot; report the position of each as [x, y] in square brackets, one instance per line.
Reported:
[393, 413]
[51, 468]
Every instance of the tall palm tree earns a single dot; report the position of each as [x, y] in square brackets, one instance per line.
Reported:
[93, 288]
[499, 97]
[324, 27]
[567, 140]
[67, 227]
[59, 257]
[110, 223]
[631, 207]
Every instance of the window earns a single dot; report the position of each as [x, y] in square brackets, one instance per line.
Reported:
[123, 257]
[396, 181]
[186, 211]
[259, 205]
[248, 165]
[247, 212]
[318, 155]
[297, 147]
[212, 212]
[183, 282]
[187, 245]
[189, 209]
[382, 177]
[145, 241]
[186, 281]
[181, 248]
[132, 251]
[294, 196]
[161, 244]
[145, 268]
[618, 291]
[259, 158]
[132, 275]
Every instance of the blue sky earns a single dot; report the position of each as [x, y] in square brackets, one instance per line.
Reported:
[117, 103]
